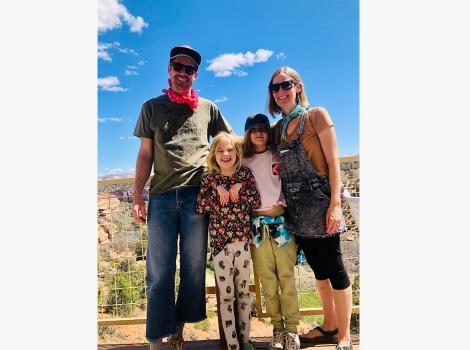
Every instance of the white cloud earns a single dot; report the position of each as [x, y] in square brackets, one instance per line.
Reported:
[115, 89]
[111, 120]
[122, 138]
[132, 67]
[281, 55]
[104, 55]
[110, 83]
[111, 14]
[222, 99]
[105, 48]
[141, 63]
[128, 137]
[136, 23]
[129, 51]
[131, 72]
[102, 50]
[227, 64]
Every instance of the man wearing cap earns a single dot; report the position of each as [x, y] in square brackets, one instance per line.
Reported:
[174, 129]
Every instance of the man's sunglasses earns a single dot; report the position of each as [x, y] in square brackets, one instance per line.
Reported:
[179, 66]
[285, 85]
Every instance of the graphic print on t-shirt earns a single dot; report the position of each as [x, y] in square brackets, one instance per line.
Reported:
[275, 169]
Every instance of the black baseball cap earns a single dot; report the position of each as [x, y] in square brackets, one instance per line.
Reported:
[257, 120]
[186, 51]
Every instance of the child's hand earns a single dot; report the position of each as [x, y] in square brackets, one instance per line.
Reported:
[234, 192]
[223, 194]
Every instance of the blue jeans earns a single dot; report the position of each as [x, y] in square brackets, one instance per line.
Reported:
[169, 214]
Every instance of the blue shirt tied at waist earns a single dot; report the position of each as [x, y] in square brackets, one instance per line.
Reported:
[274, 226]
[265, 226]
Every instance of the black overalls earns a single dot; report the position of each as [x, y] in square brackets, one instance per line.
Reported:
[307, 193]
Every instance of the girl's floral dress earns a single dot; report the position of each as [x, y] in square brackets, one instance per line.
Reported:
[231, 222]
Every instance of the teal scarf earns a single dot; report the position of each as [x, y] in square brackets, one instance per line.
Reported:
[299, 109]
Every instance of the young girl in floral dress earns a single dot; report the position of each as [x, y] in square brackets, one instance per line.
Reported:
[228, 194]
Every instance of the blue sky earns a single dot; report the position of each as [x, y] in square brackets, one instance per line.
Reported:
[241, 44]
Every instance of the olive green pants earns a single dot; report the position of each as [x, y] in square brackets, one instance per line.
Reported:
[275, 268]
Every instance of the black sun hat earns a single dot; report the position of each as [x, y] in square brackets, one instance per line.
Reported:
[186, 51]
[255, 120]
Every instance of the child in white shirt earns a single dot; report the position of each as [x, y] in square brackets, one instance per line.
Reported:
[274, 250]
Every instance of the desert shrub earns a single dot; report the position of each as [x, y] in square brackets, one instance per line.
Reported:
[355, 317]
[202, 325]
[141, 246]
[139, 279]
[127, 265]
[136, 274]
[122, 294]
[102, 330]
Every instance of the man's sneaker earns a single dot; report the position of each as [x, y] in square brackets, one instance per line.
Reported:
[277, 341]
[175, 343]
[292, 341]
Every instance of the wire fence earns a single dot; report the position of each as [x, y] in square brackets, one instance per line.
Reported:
[122, 245]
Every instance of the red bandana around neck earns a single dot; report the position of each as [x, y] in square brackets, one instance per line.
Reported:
[191, 100]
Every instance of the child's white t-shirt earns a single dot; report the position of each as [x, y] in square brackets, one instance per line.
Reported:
[265, 169]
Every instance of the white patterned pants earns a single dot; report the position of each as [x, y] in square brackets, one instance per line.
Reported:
[232, 271]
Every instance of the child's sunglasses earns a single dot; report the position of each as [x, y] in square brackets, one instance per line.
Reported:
[285, 85]
[260, 129]
[190, 70]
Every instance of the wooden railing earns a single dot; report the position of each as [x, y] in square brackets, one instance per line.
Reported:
[211, 290]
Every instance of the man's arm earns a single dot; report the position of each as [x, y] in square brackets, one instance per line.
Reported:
[142, 173]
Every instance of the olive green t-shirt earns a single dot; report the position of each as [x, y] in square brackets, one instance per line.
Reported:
[180, 138]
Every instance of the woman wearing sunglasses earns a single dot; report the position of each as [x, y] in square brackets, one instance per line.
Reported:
[311, 183]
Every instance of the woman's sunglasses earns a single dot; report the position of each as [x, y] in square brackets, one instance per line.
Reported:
[285, 85]
[190, 70]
